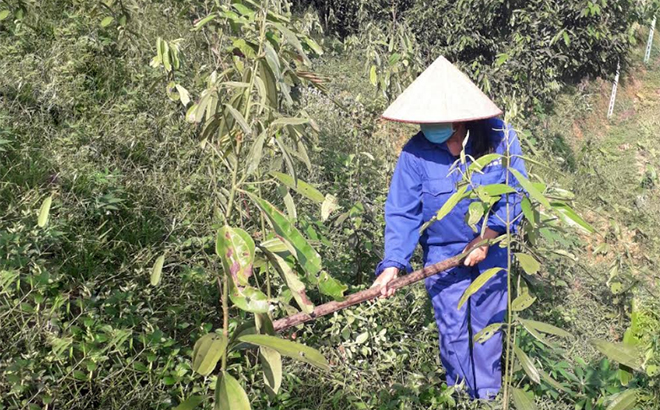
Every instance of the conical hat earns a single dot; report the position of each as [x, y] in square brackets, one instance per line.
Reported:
[441, 94]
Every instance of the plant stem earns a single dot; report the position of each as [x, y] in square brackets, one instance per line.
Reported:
[507, 370]
[234, 177]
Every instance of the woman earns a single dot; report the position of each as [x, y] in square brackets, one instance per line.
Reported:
[450, 108]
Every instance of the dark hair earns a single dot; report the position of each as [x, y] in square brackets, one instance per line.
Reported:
[480, 135]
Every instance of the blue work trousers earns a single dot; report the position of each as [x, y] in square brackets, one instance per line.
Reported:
[478, 365]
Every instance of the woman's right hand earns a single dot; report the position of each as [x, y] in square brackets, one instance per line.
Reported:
[384, 279]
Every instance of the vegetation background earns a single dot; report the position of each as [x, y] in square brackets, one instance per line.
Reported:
[86, 120]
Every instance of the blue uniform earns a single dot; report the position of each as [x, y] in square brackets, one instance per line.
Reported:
[421, 184]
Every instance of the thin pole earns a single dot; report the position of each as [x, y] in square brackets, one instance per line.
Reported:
[610, 111]
[367, 294]
[649, 44]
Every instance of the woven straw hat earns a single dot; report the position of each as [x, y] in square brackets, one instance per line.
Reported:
[441, 94]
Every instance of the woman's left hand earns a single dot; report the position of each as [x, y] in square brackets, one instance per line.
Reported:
[478, 253]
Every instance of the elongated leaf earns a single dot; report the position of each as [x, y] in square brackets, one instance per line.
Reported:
[308, 258]
[528, 210]
[44, 212]
[483, 161]
[522, 400]
[204, 21]
[235, 248]
[248, 298]
[527, 365]
[477, 284]
[271, 361]
[239, 119]
[553, 383]
[451, 203]
[373, 76]
[288, 348]
[292, 39]
[545, 328]
[486, 333]
[331, 286]
[287, 157]
[530, 188]
[628, 355]
[568, 215]
[496, 189]
[280, 122]
[190, 403]
[4, 14]
[292, 281]
[107, 21]
[624, 401]
[528, 263]
[522, 302]
[256, 153]
[301, 187]
[229, 394]
[267, 76]
[157, 270]
[208, 350]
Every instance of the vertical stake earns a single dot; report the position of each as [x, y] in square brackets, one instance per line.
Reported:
[649, 44]
[614, 88]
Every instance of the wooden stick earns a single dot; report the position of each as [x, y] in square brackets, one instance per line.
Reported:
[367, 294]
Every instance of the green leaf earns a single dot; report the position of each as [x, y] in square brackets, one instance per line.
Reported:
[301, 187]
[487, 332]
[528, 263]
[229, 395]
[571, 218]
[157, 270]
[373, 76]
[292, 281]
[522, 400]
[313, 45]
[328, 206]
[248, 298]
[477, 284]
[288, 348]
[256, 153]
[107, 21]
[522, 302]
[4, 14]
[271, 362]
[527, 365]
[239, 119]
[183, 94]
[308, 258]
[567, 39]
[495, 189]
[283, 121]
[530, 188]
[201, 23]
[625, 400]
[331, 287]
[208, 350]
[235, 248]
[267, 76]
[480, 163]
[44, 212]
[190, 403]
[451, 203]
[553, 383]
[545, 328]
[621, 353]
[528, 210]
[475, 213]
[292, 39]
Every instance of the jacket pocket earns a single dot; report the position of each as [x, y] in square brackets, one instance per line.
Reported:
[435, 192]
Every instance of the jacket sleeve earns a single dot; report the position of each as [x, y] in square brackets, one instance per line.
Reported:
[403, 214]
[497, 219]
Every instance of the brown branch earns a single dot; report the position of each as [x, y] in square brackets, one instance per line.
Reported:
[367, 294]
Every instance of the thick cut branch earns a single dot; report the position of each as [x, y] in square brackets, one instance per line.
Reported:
[366, 294]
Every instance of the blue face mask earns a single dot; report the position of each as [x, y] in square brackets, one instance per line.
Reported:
[437, 133]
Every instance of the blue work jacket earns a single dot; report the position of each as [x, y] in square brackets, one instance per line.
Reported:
[422, 183]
